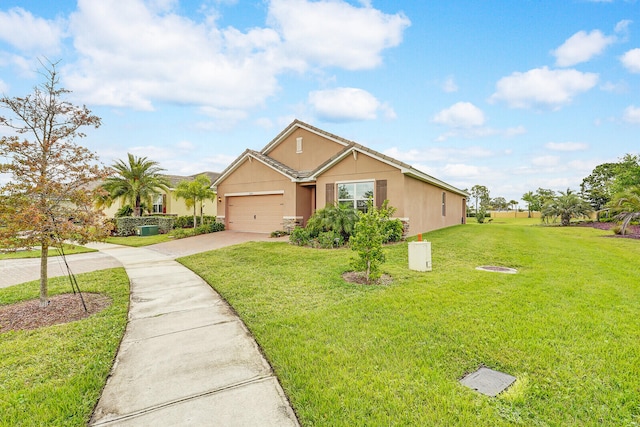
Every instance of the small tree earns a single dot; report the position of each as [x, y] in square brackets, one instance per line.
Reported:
[48, 198]
[137, 181]
[627, 205]
[195, 191]
[567, 205]
[367, 242]
[481, 194]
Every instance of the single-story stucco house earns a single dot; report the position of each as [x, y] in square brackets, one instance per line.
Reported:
[305, 168]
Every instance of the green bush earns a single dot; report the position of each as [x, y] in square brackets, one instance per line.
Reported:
[330, 239]
[392, 230]
[300, 236]
[186, 221]
[128, 225]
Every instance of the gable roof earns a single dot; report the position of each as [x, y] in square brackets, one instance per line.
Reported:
[349, 148]
[175, 179]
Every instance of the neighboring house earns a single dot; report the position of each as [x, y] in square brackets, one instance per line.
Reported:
[305, 168]
[166, 203]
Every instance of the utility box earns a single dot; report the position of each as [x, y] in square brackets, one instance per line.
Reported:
[147, 230]
[420, 256]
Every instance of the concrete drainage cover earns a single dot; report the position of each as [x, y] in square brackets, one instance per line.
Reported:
[487, 381]
[496, 269]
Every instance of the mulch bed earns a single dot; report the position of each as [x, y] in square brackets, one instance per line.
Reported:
[633, 231]
[359, 278]
[62, 308]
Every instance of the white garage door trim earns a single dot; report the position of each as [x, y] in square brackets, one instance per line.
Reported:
[258, 213]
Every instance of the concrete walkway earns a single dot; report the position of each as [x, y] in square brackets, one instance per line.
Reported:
[186, 358]
[15, 271]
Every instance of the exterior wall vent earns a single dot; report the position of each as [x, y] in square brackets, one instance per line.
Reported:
[299, 145]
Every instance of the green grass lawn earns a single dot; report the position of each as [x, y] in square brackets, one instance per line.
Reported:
[567, 326]
[53, 376]
[68, 250]
[138, 241]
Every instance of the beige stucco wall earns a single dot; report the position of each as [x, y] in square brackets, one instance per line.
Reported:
[315, 150]
[253, 176]
[424, 207]
[363, 168]
[416, 200]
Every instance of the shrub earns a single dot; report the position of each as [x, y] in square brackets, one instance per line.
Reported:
[338, 218]
[330, 239]
[126, 210]
[127, 225]
[300, 236]
[392, 231]
[278, 233]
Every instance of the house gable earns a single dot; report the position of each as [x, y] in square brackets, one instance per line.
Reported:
[303, 147]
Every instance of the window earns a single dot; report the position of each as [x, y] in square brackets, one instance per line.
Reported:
[355, 194]
[157, 203]
[299, 145]
[444, 203]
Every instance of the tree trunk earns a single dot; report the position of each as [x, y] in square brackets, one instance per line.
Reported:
[44, 297]
[194, 214]
[136, 211]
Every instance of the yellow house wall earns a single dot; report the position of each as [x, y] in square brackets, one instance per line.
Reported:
[315, 150]
[174, 206]
[255, 177]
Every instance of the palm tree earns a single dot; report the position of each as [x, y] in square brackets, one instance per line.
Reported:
[136, 181]
[530, 198]
[195, 191]
[514, 205]
[566, 206]
[334, 217]
[628, 204]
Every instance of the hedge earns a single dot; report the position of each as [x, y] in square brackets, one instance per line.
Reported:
[128, 225]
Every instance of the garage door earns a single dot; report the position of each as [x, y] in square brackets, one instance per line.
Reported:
[258, 214]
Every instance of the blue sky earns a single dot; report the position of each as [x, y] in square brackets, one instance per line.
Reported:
[513, 95]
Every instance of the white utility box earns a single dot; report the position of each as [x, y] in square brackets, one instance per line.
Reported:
[420, 256]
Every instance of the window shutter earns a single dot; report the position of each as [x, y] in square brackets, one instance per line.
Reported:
[381, 192]
[330, 193]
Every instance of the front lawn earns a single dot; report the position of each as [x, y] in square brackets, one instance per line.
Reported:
[567, 326]
[53, 376]
[69, 249]
[138, 241]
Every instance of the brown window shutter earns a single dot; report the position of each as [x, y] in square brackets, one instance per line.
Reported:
[330, 193]
[381, 192]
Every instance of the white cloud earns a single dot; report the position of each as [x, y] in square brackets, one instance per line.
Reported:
[566, 146]
[335, 33]
[581, 47]
[346, 104]
[460, 115]
[22, 30]
[439, 154]
[139, 53]
[631, 60]
[541, 87]
[450, 85]
[622, 27]
[632, 114]
[481, 132]
[545, 161]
